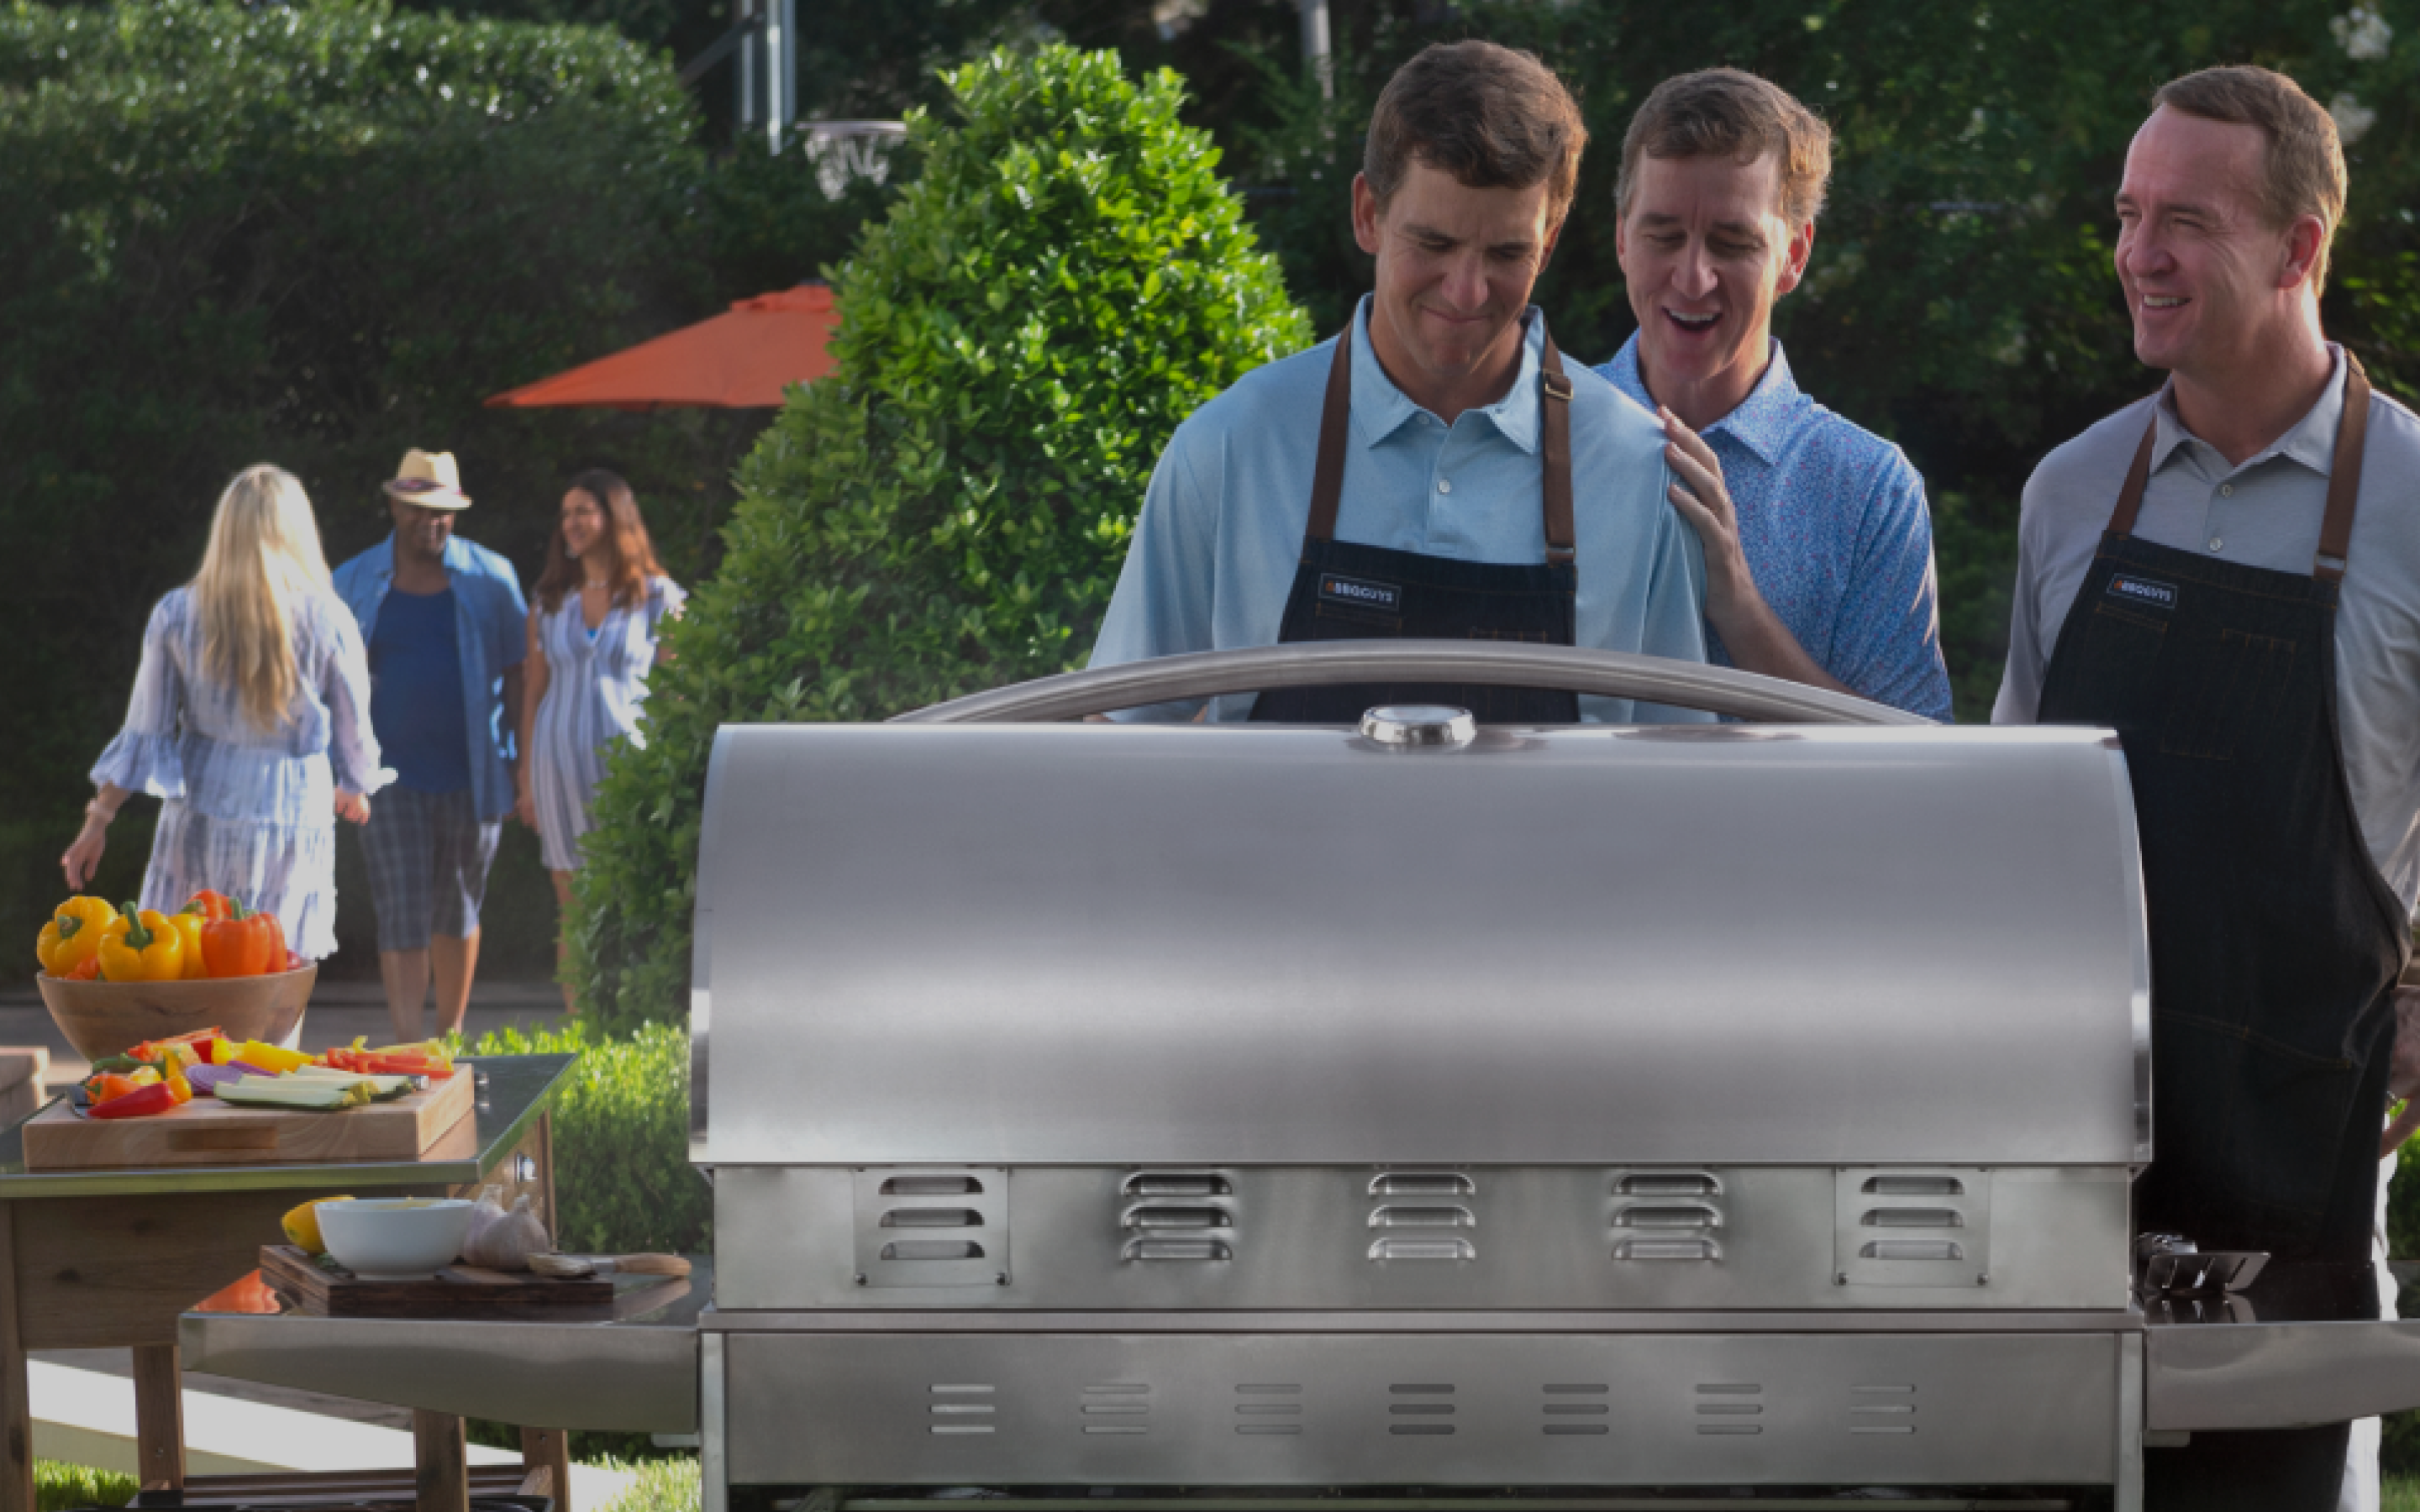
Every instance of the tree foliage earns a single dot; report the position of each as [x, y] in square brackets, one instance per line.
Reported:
[1066, 281]
[316, 235]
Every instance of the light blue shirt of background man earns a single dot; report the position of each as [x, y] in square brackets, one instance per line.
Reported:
[1221, 529]
[1819, 546]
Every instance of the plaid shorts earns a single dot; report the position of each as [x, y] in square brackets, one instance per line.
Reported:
[429, 855]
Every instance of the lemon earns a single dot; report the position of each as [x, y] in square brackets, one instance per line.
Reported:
[303, 1226]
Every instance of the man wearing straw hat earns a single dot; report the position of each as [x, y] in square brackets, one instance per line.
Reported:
[444, 621]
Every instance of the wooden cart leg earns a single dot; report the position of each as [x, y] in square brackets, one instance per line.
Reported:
[16, 1395]
[443, 1477]
[546, 1456]
[159, 1418]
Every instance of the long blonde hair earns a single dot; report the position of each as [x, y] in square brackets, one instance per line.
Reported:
[264, 554]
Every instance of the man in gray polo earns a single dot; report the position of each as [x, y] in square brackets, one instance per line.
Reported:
[2227, 573]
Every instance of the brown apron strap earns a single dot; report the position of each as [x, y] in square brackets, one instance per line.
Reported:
[1554, 449]
[2130, 497]
[1335, 424]
[1554, 444]
[2343, 476]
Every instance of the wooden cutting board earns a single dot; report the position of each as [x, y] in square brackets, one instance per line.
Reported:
[456, 1291]
[206, 1132]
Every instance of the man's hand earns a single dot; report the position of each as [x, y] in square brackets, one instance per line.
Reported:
[1697, 492]
[1752, 633]
[2403, 1071]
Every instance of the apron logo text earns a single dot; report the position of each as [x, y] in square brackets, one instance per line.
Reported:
[2148, 592]
[1361, 594]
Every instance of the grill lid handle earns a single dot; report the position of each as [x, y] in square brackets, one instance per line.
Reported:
[1501, 664]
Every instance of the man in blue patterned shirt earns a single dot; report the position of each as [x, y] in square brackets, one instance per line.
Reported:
[1819, 546]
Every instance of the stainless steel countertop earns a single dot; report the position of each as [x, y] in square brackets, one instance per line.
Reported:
[513, 1091]
[632, 1368]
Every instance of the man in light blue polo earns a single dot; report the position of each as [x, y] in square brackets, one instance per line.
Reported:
[445, 625]
[1434, 472]
[1819, 546]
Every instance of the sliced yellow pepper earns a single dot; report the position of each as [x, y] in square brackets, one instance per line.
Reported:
[269, 1058]
[73, 935]
[140, 945]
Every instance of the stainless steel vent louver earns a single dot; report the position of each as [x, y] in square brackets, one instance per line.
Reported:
[1186, 1217]
[931, 1228]
[1913, 1228]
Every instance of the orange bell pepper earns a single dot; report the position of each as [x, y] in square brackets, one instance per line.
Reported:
[210, 904]
[242, 945]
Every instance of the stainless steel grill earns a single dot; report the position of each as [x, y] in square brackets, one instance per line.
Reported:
[1735, 1115]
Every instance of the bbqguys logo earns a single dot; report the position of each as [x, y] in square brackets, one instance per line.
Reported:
[1385, 597]
[2147, 592]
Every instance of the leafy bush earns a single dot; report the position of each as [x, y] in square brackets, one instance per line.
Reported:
[1066, 281]
[623, 1182]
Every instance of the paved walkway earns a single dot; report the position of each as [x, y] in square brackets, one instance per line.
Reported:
[339, 1010]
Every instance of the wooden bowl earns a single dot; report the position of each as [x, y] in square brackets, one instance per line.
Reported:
[109, 1018]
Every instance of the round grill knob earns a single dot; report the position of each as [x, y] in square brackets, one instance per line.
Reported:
[1420, 724]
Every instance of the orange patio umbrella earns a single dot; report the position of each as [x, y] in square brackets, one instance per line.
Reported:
[738, 359]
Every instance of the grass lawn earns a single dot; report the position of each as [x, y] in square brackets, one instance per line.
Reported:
[663, 1486]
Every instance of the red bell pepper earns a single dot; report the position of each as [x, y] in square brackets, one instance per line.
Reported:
[142, 1102]
[244, 945]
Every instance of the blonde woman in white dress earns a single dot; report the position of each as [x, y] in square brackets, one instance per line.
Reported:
[249, 720]
[596, 630]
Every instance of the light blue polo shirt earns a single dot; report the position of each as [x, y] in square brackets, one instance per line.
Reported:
[1220, 533]
[1833, 519]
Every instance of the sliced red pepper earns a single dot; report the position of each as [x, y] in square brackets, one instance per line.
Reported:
[142, 1100]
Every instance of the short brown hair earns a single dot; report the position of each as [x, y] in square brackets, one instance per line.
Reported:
[1738, 115]
[1492, 118]
[2304, 171]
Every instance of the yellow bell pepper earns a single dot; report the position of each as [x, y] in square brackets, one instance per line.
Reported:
[140, 945]
[188, 922]
[73, 935]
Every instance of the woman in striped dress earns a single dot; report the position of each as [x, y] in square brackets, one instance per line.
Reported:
[596, 630]
[250, 719]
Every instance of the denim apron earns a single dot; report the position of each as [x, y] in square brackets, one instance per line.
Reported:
[2275, 944]
[1347, 592]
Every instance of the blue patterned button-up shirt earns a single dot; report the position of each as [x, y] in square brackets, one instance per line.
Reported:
[491, 627]
[1838, 537]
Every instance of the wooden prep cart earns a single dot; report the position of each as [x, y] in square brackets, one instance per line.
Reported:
[113, 1258]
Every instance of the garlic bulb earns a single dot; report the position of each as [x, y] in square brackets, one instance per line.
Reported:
[508, 1239]
[484, 1214]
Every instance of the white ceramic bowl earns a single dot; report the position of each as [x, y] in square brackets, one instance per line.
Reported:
[395, 1238]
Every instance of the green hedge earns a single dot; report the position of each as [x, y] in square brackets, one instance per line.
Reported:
[623, 1182]
[1067, 280]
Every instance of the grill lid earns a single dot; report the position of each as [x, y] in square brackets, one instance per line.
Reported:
[1196, 946]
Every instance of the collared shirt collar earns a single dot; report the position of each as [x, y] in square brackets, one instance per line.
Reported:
[2312, 441]
[1380, 408]
[1762, 420]
[457, 557]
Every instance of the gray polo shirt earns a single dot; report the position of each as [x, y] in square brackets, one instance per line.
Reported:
[2263, 514]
